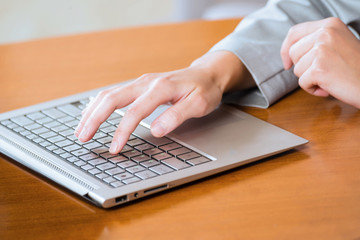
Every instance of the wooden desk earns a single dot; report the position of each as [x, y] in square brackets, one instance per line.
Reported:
[310, 193]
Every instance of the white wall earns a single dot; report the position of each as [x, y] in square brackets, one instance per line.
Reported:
[22, 20]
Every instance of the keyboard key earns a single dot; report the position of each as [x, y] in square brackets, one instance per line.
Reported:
[72, 123]
[60, 128]
[97, 161]
[104, 140]
[161, 156]
[54, 113]
[170, 146]
[153, 151]
[188, 156]
[102, 175]
[135, 141]
[58, 151]
[179, 151]
[72, 147]
[131, 180]
[100, 150]
[32, 126]
[105, 166]
[80, 152]
[79, 163]
[56, 139]
[6, 122]
[144, 134]
[52, 124]
[65, 119]
[161, 169]
[31, 136]
[199, 160]
[114, 171]
[72, 159]
[94, 171]
[118, 159]
[88, 156]
[109, 179]
[65, 155]
[87, 167]
[99, 135]
[22, 120]
[92, 145]
[150, 163]
[64, 143]
[36, 115]
[44, 120]
[45, 144]
[40, 130]
[135, 169]
[175, 163]
[140, 158]
[144, 147]
[25, 132]
[123, 176]
[116, 184]
[132, 153]
[67, 132]
[19, 129]
[51, 147]
[108, 129]
[126, 164]
[146, 174]
[126, 148]
[70, 110]
[48, 134]
[107, 155]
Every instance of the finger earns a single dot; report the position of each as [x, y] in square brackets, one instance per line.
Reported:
[299, 49]
[295, 34]
[138, 110]
[304, 62]
[102, 108]
[309, 82]
[190, 107]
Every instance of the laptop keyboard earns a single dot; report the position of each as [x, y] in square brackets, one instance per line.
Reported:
[53, 130]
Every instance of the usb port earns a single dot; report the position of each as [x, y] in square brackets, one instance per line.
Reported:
[121, 199]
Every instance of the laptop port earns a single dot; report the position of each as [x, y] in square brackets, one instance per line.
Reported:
[121, 199]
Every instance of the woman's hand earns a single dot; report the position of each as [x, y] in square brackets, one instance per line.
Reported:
[326, 58]
[193, 92]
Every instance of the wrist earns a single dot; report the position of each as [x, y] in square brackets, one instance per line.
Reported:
[226, 70]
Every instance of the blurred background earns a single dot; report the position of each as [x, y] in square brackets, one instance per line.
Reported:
[24, 20]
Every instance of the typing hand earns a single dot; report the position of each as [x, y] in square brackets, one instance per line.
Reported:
[193, 92]
[326, 58]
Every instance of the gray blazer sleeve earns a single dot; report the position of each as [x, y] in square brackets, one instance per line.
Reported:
[257, 41]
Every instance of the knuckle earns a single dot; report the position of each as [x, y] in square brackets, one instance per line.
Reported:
[175, 115]
[201, 103]
[132, 110]
[103, 93]
[162, 81]
[333, 22]
[108, 95]
[292, 54]
[146, 77]
[297, 71]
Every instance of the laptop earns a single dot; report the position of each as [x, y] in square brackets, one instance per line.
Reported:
[41, 137]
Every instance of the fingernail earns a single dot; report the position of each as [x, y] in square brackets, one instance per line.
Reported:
[159, 129]
[84, 134]
[114, 146]
[76, 132]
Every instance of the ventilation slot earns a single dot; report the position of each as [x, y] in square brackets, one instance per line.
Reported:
[49, 164]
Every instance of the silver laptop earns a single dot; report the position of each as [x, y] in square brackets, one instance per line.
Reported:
[41, 137]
